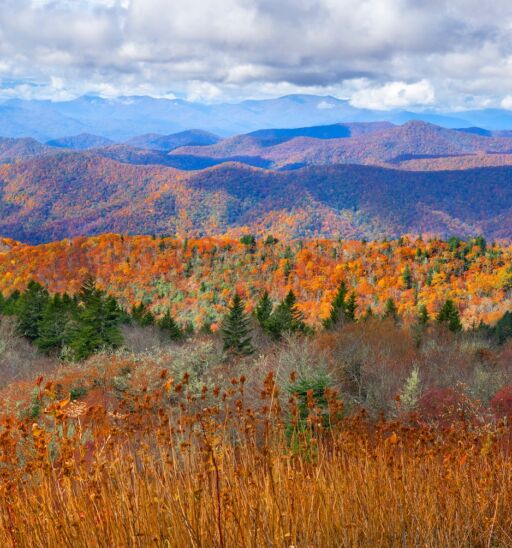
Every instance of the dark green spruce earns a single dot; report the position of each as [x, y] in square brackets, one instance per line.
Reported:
[235, 329]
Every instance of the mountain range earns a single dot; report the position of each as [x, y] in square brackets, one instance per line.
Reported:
[123, 118]
[415, 145]
[354, 180]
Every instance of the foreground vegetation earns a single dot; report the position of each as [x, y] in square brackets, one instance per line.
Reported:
[358, 435]
[124, 423]
[169, 462]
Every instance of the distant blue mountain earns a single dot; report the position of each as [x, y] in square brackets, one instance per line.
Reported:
[476, 131]
[125, 117]
[155, 141]
[84, 141]
[270, 137]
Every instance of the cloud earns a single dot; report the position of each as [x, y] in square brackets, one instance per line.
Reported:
[395, 95]
[325, 105]
[405, 52]
[203, 91]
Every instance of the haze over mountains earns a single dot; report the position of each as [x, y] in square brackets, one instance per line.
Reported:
[127, 117]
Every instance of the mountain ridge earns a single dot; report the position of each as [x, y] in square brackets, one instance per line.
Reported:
[122, 118]
[72, 194]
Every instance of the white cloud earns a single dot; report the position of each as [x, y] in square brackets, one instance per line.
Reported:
[325, 105]
[203, 91]
[395, 95]
[402, 50]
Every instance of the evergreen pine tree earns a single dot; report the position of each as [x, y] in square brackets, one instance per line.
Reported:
[29, 310]
[263, 309]
[368, 313]
[249, 240]
[449, 315]
[235, 328]
[423, 317]
[142, 315]
[390, 310]
[286, 317]
[52, 327]
[271, 240]
[351, 307]
[503, 328]
[407, 277]
[430, 276]
[97, 324]
[338, 307]
[9, 307]
[169, 326]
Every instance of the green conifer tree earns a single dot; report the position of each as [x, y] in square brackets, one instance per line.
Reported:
[169, 326]
[390, 310]
[338, 307]
[286, 317]
[263, 309]
[423, 317]
[9, 308]
[351, 307]
[503, 328]
[449, 315]
[142, 315]
[368, 313]
[235, 328]
[97, 324]
[29, 310]
[407, 277]
[53, 324]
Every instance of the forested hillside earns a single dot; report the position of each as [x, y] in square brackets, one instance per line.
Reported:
[359, 144]
[195, 278]
[72, 194]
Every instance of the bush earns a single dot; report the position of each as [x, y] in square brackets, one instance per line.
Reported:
[444, 405]
[310, 393]
[501, 403]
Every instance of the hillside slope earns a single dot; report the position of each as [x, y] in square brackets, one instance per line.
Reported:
[155, 141]
[361, 144]
[71, 194]
[12, 150]
[195, 278]
[84, 141]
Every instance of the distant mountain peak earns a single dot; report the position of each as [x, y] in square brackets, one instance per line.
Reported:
[82, 141]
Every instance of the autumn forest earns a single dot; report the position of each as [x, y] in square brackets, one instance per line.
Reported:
[283, 337]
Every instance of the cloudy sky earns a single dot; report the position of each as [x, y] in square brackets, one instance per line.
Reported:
[382, 54]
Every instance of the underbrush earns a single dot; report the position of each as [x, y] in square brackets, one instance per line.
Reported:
[173, 466]
[364, 436]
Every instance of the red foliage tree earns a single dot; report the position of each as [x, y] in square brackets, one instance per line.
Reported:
[443, 405]
[501, 403]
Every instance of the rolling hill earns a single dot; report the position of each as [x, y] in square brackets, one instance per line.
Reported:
[16, 149]
[416, 145]
[166, 143]
[374, 144]
[70, 194]
[84, 141]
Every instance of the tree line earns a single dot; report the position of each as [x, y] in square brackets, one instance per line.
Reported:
[80, 325]
[287, 318]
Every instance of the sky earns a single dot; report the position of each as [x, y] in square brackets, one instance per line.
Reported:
[379, 54]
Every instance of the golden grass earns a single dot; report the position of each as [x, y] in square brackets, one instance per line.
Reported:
[165, 469]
